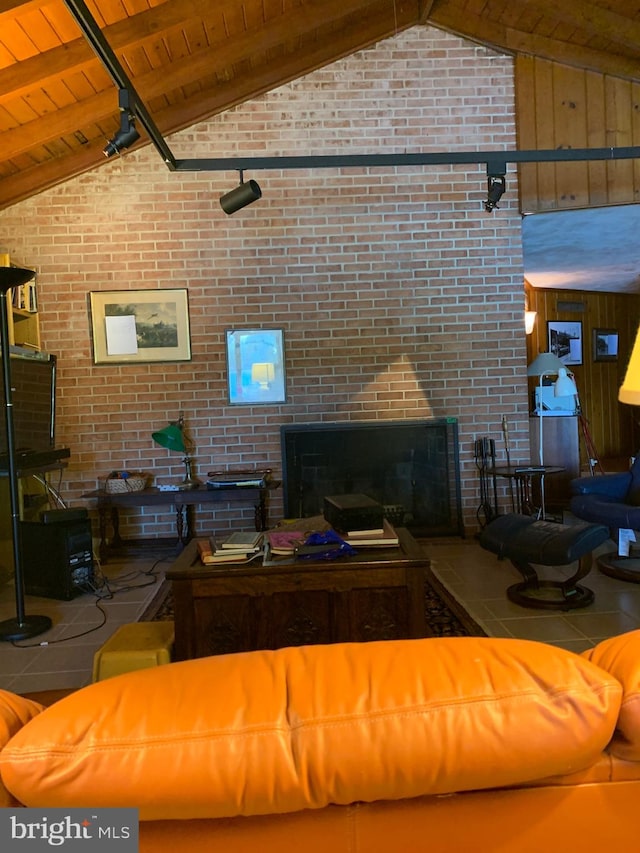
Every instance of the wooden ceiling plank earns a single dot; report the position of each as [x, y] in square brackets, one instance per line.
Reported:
[52, 125]
[34, 72]
[8, 6]
[154, 83]
[507, 40]
[77, 54]
[594, 20]
[39, 31]
[101, 106]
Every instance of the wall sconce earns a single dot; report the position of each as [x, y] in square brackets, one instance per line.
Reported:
[263, 373]
[127, 134]
[630, 389]
[173, 437]
[240, 196]
[529, 321]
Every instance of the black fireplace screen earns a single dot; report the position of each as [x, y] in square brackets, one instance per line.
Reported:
[411, 467]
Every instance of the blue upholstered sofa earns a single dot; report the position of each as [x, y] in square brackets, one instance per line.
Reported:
[609, 499]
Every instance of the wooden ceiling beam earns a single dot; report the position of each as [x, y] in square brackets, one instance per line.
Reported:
[103, 105]
[18, 79]
[200, 106]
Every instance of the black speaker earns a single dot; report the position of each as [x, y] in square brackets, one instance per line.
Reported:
[57, 556]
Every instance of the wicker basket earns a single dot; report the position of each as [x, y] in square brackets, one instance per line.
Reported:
[119, 486]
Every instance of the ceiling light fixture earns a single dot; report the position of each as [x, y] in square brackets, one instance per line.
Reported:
[127, 134]
[240, 196]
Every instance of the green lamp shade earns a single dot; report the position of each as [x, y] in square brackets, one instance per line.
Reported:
[170, 437]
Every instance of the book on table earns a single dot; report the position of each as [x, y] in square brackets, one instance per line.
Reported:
[211, 556]
[386, 537]
[242, 539]
[292, 533]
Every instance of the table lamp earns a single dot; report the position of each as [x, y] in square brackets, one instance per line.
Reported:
[173, 437]
[630, 389]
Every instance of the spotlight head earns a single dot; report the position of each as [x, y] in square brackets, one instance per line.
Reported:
[123, 139]
[240, 196]
[496, 186]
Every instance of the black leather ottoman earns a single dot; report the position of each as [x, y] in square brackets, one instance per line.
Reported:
[523, 540]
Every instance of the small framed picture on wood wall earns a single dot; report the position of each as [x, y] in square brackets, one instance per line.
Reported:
[605, 345]
[565, 340]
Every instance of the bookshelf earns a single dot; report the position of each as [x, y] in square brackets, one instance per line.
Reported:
[22, 305]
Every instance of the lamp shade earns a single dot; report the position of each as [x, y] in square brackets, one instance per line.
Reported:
[544, 364]
[529, 322]
[565, 385]
[630, 388]
[14, 277]
[170, 437]
[263, 372]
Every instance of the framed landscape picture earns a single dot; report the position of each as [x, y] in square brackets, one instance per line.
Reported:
[140, 326]
[565, 340]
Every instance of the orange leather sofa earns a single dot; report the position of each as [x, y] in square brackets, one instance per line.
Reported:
[454, 745]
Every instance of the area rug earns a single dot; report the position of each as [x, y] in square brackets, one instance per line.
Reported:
[445, 616]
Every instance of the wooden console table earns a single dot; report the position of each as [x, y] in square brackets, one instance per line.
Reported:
[183, 501]
[376, 594]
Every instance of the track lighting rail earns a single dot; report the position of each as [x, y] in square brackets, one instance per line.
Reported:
[495, 160]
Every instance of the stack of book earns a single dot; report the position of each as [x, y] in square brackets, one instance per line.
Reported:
[290, 534]
[384, 536]
[239, 547]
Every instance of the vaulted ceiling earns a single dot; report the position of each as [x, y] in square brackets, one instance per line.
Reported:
[191, 59]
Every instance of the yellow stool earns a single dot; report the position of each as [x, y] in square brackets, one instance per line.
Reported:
[135, 646]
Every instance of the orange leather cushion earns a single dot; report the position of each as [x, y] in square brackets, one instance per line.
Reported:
[273, 732]
[620, 656]
[15, 712]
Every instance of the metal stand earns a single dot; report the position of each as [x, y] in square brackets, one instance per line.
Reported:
[22, 627]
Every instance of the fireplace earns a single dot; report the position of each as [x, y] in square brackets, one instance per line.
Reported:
[411, 467]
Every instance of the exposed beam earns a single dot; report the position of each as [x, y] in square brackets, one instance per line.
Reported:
[101, 106]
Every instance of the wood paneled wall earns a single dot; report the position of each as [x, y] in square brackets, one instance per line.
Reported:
[614, 428]
[562, 107]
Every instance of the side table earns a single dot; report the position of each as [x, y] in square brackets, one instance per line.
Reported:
[523, 477]
[183, 502]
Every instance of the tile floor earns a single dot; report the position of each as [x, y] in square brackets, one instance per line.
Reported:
[79, 626]
[475, 576]
[478, 580]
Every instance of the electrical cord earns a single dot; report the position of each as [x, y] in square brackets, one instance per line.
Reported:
[104, 590]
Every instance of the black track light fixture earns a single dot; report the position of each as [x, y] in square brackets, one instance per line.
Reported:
[240, 196]
[127, 134]
[496, 186]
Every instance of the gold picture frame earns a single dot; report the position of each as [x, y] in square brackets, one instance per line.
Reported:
[137, 326]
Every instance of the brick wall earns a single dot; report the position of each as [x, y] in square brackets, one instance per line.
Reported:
[399, 296]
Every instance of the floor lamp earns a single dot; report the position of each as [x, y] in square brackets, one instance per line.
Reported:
[545, 364]
[22, 627]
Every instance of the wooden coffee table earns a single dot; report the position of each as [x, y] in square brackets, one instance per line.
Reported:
[376, 594]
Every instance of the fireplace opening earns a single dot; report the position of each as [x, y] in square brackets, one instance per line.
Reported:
[411, 467]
